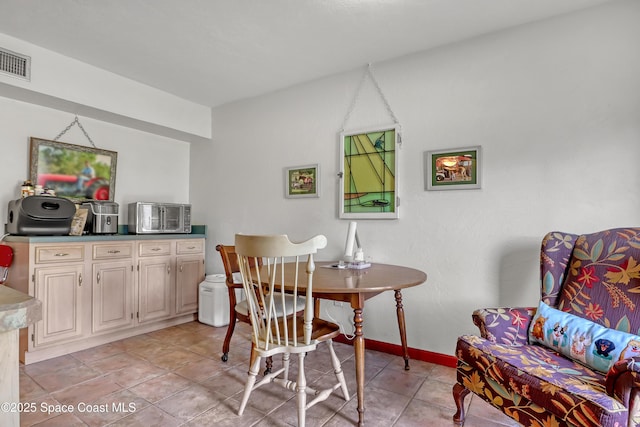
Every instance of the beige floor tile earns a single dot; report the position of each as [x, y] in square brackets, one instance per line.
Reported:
[169, 333]
[416, 367]
[161, 387]
[39, 410]
[97, 353]
[174, 377]
[398, 381]
[61, 379]
[135, 342]
[436, 393]
[191, 402]
[110, 408]
[226, 415]
[207, 347]
[63, 420]
[419, 413]
[187, 339]
[201, 370]
[29, 389]
[149, 416]
[52, 365]
[444, 374]
[151, 349]
[381, 406]
[379, 359]
[115, 362]
[135, 374]
[174, 359]
[86, 392]
[229, 382]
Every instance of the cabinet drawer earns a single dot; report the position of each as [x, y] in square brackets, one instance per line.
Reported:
[47, 254]
[189, 246]
[113, 251]
[154, 248]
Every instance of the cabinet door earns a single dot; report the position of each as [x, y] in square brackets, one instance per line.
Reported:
[112, 295]
[59, 288]
[155, 288]
[189, 274]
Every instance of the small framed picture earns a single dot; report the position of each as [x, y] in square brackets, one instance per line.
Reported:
[453, 169]
[302, 181]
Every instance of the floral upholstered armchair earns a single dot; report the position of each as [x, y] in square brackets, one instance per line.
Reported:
[575, 359]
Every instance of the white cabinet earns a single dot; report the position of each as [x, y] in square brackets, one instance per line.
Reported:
[169, 274]
[112, 287]
[189, 274]
[101, 290]
[57, 280]
[156, 280]
[60, 290]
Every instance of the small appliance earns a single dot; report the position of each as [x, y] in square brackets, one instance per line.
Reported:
[40, 216]
[102, 217]
[158, 218]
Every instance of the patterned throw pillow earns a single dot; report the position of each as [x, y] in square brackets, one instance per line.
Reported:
[580, 339]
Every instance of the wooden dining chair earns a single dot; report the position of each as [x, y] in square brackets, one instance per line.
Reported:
[274, 333]
[238, 310]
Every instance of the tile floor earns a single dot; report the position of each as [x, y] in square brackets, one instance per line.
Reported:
[174, 377]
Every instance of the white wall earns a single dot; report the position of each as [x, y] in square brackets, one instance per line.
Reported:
[150, 167]
[93, 89]
[556, 108]
[148, 128]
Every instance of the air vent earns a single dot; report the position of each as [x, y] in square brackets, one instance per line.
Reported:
[15, 64]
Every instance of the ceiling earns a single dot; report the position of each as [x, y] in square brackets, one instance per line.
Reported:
[214, 52]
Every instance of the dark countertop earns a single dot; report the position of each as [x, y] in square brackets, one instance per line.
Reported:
[197, 232]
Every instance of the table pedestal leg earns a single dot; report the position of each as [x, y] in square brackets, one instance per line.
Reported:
[358, 344]
[403, 329]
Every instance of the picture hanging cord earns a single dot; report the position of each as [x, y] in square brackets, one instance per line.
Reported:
[75, 122]
[368, 72]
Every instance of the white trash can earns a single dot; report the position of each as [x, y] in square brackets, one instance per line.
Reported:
[213, 305]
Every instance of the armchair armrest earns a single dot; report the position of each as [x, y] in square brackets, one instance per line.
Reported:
[505, 325]
[623, 381]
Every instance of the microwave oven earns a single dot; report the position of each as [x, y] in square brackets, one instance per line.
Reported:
[158, 218]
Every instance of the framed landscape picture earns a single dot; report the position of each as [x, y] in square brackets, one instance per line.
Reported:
[453, 169]
[302, 181]
[73, 171]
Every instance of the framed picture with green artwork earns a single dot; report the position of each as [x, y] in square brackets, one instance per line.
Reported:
[368, 173]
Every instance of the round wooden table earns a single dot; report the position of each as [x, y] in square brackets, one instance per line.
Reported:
[355, 287]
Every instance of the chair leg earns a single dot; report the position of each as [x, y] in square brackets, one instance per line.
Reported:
[227, 342]
[268, 365]
[459, 393]
[285, 365]
[227, 337]
[251, 380]
[301, 391]
[337, 369]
